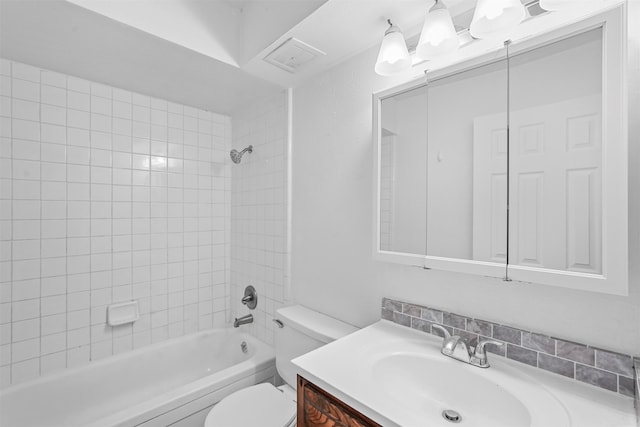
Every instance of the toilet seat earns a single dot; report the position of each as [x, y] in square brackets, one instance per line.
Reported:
[261, 405]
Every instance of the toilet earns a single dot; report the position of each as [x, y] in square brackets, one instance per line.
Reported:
[299, 331]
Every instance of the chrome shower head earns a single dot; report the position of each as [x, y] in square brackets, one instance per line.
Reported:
[236, 155]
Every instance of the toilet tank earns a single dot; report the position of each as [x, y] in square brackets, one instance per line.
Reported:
[303, 330]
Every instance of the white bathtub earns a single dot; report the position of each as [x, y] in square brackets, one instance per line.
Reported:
[175, 381]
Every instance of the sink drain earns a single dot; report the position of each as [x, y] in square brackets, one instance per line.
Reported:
[451, 416]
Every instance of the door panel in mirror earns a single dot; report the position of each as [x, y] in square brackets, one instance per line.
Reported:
[555, 159]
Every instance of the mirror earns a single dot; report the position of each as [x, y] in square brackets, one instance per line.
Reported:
[512, 164]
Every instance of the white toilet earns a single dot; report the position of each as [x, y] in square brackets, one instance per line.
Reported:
[264, 405]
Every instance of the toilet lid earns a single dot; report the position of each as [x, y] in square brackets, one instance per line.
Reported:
[261, 405]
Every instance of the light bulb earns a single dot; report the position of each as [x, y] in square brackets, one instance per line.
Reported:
[496, 19]
[438, 35]
[394, 56]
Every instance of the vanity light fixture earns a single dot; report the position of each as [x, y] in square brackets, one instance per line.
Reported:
[492, 19]
[438, 35]
[495, 19]
[394, 55]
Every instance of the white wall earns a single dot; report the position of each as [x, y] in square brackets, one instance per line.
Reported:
[332, 266]
[258, 197]
[105, 196]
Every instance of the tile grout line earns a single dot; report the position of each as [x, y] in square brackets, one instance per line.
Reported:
[66, 227]
[39, 357]
[12, 272]
[90, 236]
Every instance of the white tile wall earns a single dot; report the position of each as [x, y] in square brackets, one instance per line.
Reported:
[105, 196]
[259, 211]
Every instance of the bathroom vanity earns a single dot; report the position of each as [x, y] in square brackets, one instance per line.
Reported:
[392, 375]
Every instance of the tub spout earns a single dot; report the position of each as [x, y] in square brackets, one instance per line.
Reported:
[243, 320]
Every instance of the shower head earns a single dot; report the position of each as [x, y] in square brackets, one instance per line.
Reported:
[236, 155]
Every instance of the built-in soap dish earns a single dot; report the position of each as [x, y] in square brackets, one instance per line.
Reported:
[122, 313]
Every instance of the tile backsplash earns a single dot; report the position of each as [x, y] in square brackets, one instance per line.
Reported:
[601, 368]
[105, 195]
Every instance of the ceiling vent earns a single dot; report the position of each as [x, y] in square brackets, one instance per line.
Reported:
[293, 54]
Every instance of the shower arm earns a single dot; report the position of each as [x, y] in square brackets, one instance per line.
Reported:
[249, 149]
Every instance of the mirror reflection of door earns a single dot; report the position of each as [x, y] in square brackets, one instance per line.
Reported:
[490, 188]
[555, 160]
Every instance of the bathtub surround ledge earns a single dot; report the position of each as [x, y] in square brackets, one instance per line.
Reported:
[602, 368]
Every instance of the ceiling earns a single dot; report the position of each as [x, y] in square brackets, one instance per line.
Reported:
[205, 53]
[67, 38]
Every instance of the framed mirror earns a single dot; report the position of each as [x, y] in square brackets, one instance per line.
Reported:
[512, 164]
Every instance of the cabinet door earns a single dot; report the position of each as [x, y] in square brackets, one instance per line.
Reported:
[317, 408]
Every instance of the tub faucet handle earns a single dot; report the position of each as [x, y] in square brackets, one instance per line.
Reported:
[250, 298]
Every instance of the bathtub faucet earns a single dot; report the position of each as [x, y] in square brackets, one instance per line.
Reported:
[243, 320]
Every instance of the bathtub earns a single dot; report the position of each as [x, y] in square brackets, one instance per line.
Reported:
[170, 383]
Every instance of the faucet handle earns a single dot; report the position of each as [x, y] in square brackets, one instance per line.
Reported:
[250, 298]
[442, 329]
[479, 357]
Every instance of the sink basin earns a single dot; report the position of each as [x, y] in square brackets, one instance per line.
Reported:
[430, 384]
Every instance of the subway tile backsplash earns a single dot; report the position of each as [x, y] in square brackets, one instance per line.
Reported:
[601, 368]
[105, 196]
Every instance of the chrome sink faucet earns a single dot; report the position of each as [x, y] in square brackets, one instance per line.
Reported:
[458, 348]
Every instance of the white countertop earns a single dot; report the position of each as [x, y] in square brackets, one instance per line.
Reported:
[344, 369]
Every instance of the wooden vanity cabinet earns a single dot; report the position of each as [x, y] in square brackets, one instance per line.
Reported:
[317, 408]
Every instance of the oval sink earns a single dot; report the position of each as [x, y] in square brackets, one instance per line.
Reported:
[496, 397]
